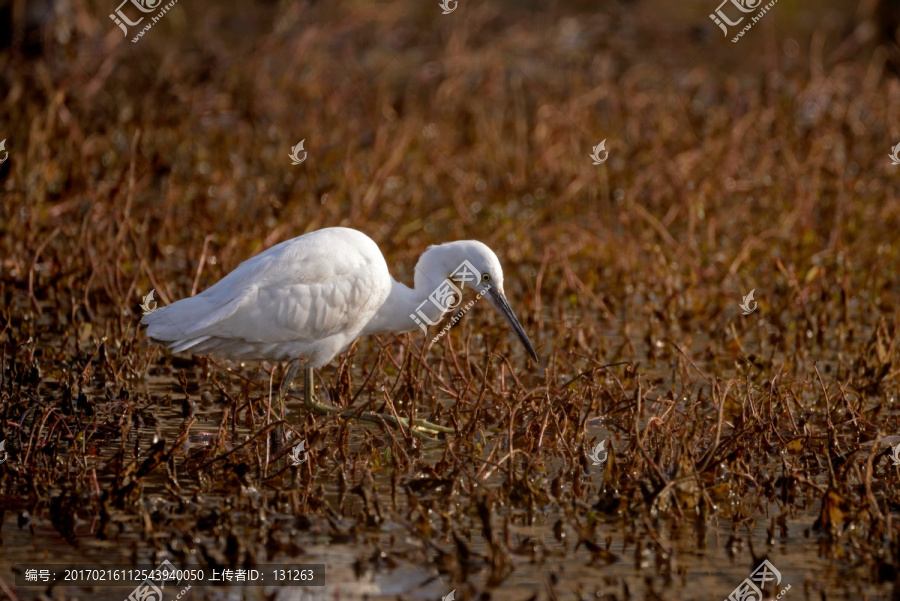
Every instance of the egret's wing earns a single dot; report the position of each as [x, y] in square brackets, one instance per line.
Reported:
[297, 311]
[307, 288]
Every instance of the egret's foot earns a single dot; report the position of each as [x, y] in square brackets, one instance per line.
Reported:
[418, 424]
[314, 404]
[420, 427]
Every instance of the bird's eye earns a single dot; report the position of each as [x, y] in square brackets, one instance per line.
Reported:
[485, 277]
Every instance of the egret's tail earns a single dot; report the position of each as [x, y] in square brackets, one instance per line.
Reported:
[180, 325]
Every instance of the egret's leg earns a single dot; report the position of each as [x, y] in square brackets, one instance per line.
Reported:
[308, 387]
[309, 398]
[293, 366]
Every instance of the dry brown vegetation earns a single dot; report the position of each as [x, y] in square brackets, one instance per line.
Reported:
[759, 165]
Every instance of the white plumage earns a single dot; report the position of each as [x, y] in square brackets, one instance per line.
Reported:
[308, 298]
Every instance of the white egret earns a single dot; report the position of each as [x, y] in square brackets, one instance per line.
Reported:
[307, 299]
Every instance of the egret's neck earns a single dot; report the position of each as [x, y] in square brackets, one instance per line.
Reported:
[406, 309]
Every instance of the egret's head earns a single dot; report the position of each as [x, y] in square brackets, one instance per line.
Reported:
[469, 263]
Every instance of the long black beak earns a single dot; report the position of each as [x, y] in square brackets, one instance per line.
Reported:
[502, 305]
